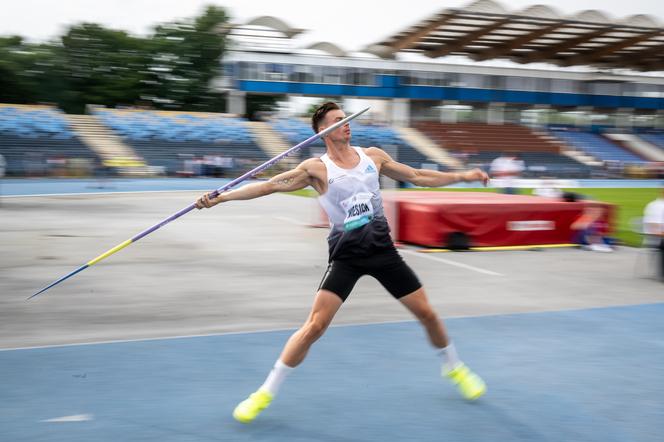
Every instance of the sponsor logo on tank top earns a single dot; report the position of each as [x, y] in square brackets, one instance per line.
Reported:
[370, 169]
[340, 177]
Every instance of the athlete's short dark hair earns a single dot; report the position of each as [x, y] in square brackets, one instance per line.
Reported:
[320, 113]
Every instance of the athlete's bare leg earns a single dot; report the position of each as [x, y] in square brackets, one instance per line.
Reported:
[418, 304]
[326, 305]
[470, 385]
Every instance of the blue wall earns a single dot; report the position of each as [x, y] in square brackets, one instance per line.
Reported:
[389, 86]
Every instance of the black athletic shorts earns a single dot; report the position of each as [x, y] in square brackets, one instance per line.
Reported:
[387, 267]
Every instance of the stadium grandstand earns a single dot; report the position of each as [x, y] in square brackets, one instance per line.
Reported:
[176, 141]
[455, 89]
[38, 140]
[296, 130]
[560, 119]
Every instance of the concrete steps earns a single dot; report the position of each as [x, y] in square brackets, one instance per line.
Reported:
[581, 157]
[110, 147]
[428, 148]
[272, 143]
[639, 146]
[568, 151]
[99, 138]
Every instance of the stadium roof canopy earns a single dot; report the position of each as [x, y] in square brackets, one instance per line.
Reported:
[272, 34]
[266, 21]
[485, 30]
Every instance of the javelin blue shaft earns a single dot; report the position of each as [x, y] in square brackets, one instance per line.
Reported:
[221, 189]
[69, 275]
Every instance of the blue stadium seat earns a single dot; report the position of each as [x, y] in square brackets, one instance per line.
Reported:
[596, 145]
[163, 138]
[30, 135]
[655, 138]
[365, 135]
[538, 164]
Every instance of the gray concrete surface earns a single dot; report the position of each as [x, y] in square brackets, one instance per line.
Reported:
[250, 265]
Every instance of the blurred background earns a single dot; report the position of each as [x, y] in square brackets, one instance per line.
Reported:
[564, 93]
[104, 104]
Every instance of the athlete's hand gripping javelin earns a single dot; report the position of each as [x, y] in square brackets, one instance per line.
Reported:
[289, 181]
[475, 175]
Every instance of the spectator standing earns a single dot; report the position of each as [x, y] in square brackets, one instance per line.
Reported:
[653, 226]
[505, 170]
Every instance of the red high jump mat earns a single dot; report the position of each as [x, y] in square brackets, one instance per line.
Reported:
[488, 219]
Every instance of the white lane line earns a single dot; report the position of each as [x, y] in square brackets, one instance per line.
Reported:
[113, 192]
[201, 335]
[452, 263]
[72, 418]
[295, 327]
[118, 192]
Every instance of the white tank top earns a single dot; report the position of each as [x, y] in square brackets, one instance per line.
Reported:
[353, 196]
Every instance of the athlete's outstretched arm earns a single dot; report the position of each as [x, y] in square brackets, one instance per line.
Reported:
[294, 179]
[424, 177]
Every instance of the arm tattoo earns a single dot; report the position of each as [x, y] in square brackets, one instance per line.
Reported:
[285, 181]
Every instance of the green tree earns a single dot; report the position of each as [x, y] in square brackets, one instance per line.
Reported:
[256, 104]
[90, 64]
[102, 66]
[12, 87]
[186, 58]
[28, 72]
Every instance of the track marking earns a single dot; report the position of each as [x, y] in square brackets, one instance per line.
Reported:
[201, 335]
[503, 248]
[72, 418]
[452, 263]
[294, 328]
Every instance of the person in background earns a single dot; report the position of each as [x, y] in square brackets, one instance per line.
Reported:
[3, 167]
[653, 226]
[591, 229]
[505, 170]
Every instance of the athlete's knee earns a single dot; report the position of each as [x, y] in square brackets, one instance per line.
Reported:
[314, 328]
[427, 315]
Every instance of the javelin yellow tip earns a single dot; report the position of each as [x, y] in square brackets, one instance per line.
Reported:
[110, 252]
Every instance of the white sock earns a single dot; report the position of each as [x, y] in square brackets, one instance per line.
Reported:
[276, 377]
[450, 357]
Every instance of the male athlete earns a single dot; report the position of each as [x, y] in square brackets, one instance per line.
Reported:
[346, 178]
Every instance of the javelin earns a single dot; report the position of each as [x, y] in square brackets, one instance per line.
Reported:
[214, 193]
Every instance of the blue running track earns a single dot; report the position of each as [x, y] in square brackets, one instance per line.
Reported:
[585, 375]
[45, 186]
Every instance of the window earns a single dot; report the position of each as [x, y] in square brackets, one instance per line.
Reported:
[471, 80]
[275, 72]
[494, 82]
[647, 90]
[317, 74]
[332, 75]
[564, 86]
[520, 83]
[542, 84]
[451, 79]
[301, 74]
[604, 88]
